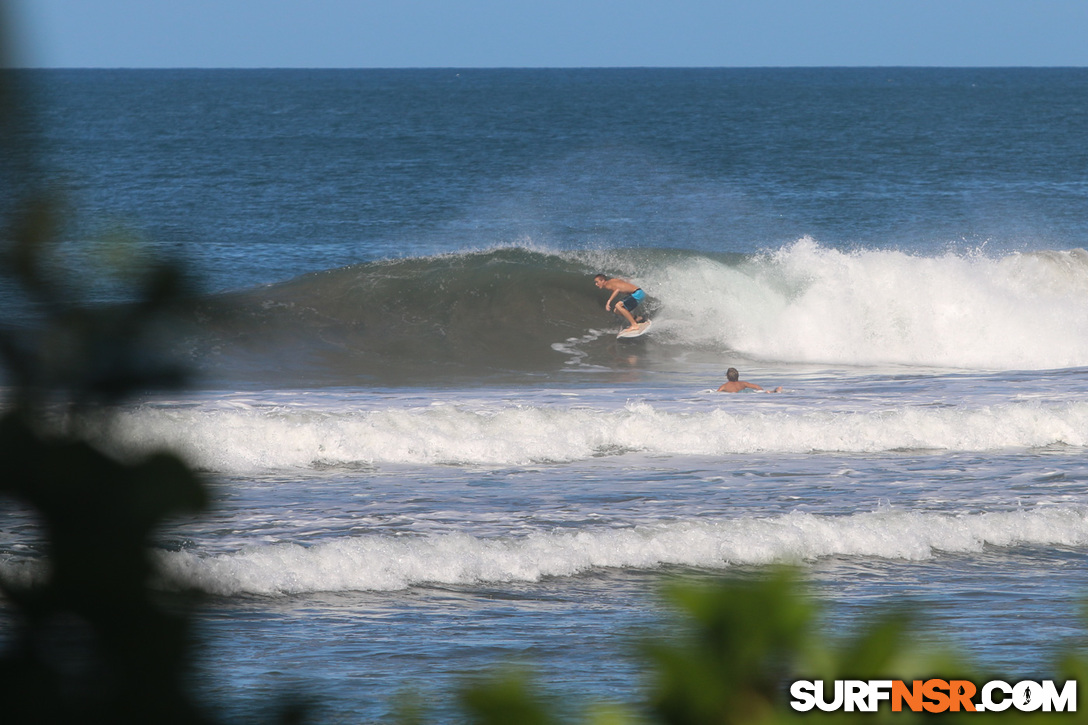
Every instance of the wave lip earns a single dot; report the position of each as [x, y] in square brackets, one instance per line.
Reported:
[377, 563]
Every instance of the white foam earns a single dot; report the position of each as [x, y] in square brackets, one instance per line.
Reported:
[806, 303]
[238, 438]
[575, 348]
[384, 563]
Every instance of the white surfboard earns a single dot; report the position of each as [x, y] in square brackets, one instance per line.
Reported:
[642, 328]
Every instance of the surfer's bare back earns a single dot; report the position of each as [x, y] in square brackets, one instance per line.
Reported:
[734, 384]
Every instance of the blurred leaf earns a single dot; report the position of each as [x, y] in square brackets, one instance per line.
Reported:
[505, 697]
[741, 640]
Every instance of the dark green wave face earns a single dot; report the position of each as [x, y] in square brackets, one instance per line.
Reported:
[422, 319]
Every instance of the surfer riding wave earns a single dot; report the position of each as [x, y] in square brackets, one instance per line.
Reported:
[625, 307]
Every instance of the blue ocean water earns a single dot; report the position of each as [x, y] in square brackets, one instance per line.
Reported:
[431, 454]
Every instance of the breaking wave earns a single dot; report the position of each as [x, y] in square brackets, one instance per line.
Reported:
[384, 563]
[475, 314]
[240, 438]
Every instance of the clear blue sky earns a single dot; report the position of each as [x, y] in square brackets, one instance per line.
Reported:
[548, 33]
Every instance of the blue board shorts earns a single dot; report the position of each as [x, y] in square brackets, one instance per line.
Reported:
[631, 301]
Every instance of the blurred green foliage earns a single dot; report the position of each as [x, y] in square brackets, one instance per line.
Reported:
[91, 640]
[87, 637]
[741, 643]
